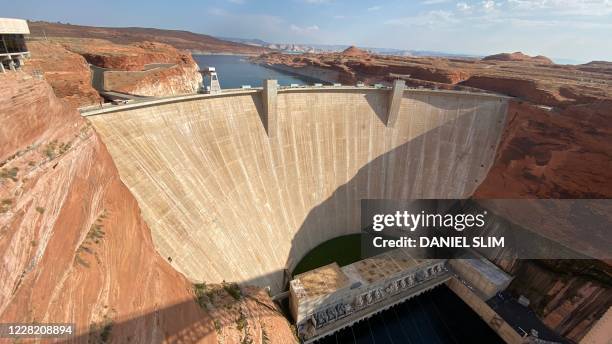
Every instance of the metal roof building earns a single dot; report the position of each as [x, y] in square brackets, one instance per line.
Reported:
[13, 49]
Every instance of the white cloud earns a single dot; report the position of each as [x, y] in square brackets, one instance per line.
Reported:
[462, 6]
[564, 7]
[373, 8]
[304, 30]
[488, 5]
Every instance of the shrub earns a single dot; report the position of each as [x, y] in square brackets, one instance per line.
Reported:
[233, 289]
[5, 205]
[241, 322]
[217, 326]
[201, 294]
[50, 149]
[10, 173]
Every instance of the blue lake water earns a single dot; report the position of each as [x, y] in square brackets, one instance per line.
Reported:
[437, 317]
[234, 71]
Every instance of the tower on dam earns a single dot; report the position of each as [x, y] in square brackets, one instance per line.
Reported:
[211, 81]
[240, 185]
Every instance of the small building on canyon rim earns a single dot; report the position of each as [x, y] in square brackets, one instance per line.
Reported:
[13, 49]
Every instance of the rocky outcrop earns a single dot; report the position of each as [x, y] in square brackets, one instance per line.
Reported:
[553, 154]
[353, 51]
[156, 82]
[516, 87]
[67, 72]
[144, 69]
[73, 245]
[126, 57]
[518, 56]
[244, 314]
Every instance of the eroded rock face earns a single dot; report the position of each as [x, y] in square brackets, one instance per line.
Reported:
[553, 154]
[244, 314]
[144, 69]
[175, 80]
[73, 245]
[67, 72]
[126, 57]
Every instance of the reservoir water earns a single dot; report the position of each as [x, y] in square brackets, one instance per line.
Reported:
[234, 71]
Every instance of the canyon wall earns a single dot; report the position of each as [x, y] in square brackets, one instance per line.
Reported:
[553, 154]
[73, 245]
[158, 82]
[226, 202]
[67, 72]
[144, 69]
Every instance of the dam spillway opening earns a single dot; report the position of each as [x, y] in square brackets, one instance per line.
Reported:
[226, 201]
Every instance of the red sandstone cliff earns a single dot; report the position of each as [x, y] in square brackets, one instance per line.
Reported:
[73, 245]
[144, 69]
[67, 72]
[553, 154]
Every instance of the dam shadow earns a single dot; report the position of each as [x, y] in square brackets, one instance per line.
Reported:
[416, 169]
[193, 329]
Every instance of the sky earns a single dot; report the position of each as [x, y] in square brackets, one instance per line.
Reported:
[576, 30]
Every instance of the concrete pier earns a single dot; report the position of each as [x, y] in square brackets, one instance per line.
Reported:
[269, 96]
[395, 101]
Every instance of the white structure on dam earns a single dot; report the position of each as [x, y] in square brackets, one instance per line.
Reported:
[328, 299]
[239, 186]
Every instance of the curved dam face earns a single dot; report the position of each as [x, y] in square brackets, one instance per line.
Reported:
[225, 201]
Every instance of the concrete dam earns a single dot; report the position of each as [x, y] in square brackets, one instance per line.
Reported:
[239, 186]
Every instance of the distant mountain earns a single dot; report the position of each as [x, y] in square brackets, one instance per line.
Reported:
[518, 56]
[336, 48]
[186, 40]
[249, 41]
